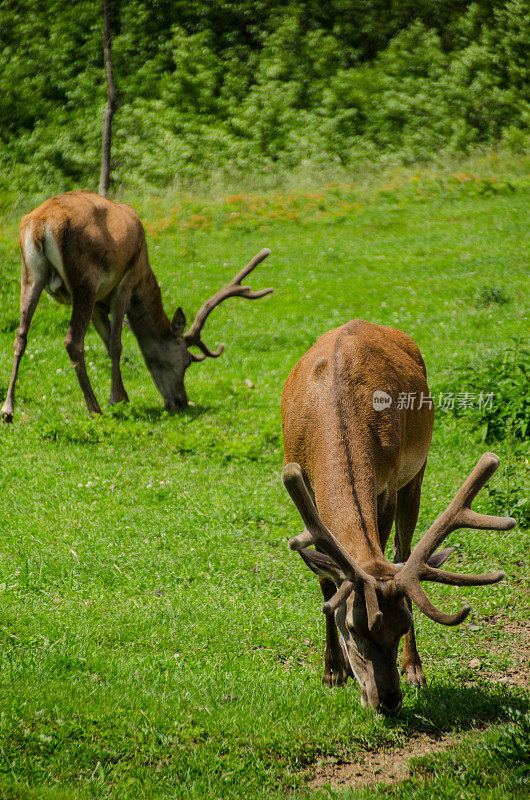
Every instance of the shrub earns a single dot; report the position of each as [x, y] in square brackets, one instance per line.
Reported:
[502, 381]
[487, 295]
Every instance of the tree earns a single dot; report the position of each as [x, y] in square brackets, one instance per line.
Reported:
[104, 180]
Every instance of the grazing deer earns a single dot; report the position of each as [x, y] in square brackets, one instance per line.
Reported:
[90, 253]
[362, 460]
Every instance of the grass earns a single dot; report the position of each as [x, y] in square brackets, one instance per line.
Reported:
[158, 638]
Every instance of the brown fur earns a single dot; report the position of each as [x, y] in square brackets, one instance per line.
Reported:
[105, 275]
[364, 466]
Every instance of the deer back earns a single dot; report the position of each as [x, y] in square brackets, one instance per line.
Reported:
[349, 449]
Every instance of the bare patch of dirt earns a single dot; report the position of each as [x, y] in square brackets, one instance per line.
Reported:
[391, 765]
[386, 766]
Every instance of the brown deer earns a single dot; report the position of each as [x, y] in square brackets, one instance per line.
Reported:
[357, 445]
[90, 253]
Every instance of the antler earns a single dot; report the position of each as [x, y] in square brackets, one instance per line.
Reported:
[317, 533]
[232, 289]
[458, 514]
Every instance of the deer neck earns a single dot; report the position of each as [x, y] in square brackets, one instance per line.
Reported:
[346, 498]
[147, 318]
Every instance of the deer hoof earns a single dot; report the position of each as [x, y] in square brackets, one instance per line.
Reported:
[6, 416]
[119, 399]
[334, 677]
[414, 674]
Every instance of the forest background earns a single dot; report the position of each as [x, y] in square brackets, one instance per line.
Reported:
[227, 89]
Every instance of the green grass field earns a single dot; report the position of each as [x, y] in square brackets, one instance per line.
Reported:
[159, 640]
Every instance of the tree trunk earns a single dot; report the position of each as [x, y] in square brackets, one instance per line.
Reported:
[104, 180]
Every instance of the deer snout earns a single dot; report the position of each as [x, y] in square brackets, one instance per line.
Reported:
[390, 704]
[176, 399]
[387, 703]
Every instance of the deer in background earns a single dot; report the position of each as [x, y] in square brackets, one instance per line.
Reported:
[89, 252]
[352, 467]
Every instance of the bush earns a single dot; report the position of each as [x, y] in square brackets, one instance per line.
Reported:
[487, 295]
[502, 383]
[237, 86]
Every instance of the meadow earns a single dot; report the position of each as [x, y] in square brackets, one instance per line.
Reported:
[158, 638]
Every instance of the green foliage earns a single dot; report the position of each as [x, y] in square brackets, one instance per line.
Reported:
[227, 87]
[502, 382]
[510, 495]
[487, 295]
[513, 746]
[491, 394]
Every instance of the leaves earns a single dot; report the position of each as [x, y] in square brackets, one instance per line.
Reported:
[227, 86]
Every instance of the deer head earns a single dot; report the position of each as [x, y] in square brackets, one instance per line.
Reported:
[372, 613]
[169, 359]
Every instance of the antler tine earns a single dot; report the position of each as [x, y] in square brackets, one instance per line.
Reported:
[232, 289]
[374, 615]
[316, 532]
[195, 358]
[457, 515]
[459, 579]
[340, 596]
[419, 598]
[205, 351]
[211, 353]
[258, 258]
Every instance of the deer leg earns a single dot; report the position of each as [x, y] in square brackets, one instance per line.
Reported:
[386, 511]
[75, 346]
[30, 291]
[407, 510]
[110, 333]
[100, 321]
[118, 307]
[335, 664]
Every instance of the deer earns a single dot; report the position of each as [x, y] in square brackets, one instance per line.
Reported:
[90, 252]
[355, 451]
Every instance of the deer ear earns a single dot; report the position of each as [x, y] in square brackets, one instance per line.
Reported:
[439, 558]
[322, 565]
[178, 322]
[436, 560]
